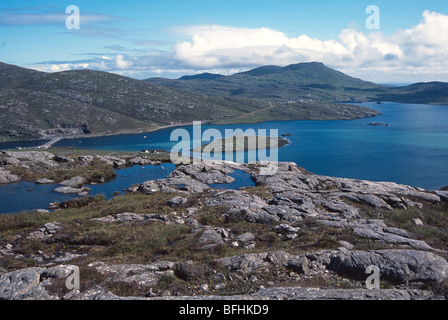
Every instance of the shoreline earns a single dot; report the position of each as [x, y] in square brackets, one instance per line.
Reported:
[141, 131]
[99, 135]
[178, 125]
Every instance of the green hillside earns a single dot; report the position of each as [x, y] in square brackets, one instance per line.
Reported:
[43, 105]
[307, 82]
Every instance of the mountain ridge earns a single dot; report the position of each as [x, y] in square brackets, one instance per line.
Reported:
[205, 75]
[310, 81]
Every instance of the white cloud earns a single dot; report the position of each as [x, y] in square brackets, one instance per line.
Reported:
[121, 63]
[67, 66]
[422, 49]
[419, 53]
[218, 46]
[59, 67]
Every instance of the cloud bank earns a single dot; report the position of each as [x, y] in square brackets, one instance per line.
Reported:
[419, 53]
[420, 50]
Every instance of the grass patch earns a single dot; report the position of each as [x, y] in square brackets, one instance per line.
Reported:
[435, 220]
[96, 171]
[260, 191]
[26, 222]
[10, 263]
[127, 289]
[314, 236]
[146, 242]
[121, 239]
[212, 216]
[326, 282]
[169, 282]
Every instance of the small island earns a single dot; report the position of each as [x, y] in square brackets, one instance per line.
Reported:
[378, 124]
[242, 143]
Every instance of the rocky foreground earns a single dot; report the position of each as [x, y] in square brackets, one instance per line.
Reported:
[294, 236]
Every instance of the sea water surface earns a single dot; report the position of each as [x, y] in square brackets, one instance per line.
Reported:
[29, 196]
[412, 150]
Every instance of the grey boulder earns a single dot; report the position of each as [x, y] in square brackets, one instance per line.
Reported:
[396, 266]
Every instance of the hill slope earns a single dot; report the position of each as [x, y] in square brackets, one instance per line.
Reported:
[203, 76]
[36, 104]
[43, 105]
[302, 82]
[307, 82]
[431, 92]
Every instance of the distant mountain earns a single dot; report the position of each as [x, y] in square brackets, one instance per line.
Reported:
[307, 82]
[202, 76]
[36, 104]
[299, 82]
[431, 92]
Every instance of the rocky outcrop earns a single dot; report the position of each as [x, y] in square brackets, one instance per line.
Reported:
[75, 182]
[71, 190]
[176, 182]
[128, 217]
[247, 263]
[397, 266]
[35, 283]
[29, 159]
[47, 231]
[7, 177]
[341, 294]
[22, 284]
[44, 163]
[144, 275]
[45, 181]
[252, 243]
[377, 230]
[209, 173]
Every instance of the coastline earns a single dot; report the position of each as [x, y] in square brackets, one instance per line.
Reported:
[177, 125]
[101, 134]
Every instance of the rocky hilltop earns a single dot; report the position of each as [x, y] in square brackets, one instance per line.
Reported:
[295, 236]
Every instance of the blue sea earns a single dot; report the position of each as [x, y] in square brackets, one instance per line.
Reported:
[411, 150]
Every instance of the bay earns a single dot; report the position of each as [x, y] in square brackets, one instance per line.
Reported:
[412, 150]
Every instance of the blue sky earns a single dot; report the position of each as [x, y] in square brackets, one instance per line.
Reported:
[171, 38]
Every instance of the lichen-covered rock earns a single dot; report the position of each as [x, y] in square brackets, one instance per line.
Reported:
[44, 181]
[21, 284]
[47, 231]
[210, 238]
[397, 266]
[70, 190]
[75, 182]
[8, 177]
[250, 262]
